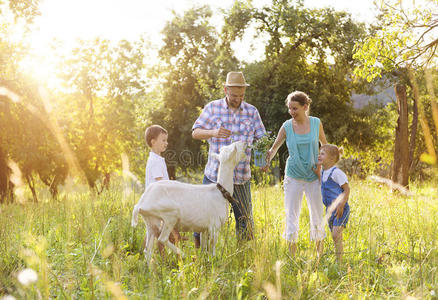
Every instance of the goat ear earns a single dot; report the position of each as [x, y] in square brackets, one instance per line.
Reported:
[215, 156]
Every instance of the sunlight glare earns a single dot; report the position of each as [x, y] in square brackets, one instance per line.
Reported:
[67, 21]
[39, 68]
[16, 179]
[8, 93]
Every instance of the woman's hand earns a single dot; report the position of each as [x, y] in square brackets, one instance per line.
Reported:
[268, 160]
[281, 137]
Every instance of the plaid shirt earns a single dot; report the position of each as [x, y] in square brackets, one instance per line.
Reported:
[244, 123]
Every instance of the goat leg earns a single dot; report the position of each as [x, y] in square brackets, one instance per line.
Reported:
[164, 237]
[213, 240]
[204, 240]
[150, 237]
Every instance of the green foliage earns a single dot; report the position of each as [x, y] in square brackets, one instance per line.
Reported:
[422, 168]
[22, 9]
[106, 92]
[110, 92]
[192, 74]
[401, 43]
[26, 135]
[307, 50]
[402, 37]
[27, 138]
[264, 143]
[83, 246]
[372, 146]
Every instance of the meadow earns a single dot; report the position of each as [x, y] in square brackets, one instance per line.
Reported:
[82, 246]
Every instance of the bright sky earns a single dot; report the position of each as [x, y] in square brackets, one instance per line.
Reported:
[68, 20]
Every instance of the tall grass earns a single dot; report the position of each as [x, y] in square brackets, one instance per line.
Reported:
[82, 246]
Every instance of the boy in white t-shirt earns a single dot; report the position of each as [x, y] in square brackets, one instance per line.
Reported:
[156, 139]
[335, 191]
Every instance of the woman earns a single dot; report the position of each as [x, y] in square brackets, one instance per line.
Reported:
[302, 134]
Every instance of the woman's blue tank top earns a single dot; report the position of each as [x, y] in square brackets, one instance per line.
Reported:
[303, 151]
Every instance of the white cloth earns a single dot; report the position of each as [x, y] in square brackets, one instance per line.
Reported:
[293, 197]
[155, 168]
[338, 176]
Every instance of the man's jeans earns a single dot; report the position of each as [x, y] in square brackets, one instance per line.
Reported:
[242, 210]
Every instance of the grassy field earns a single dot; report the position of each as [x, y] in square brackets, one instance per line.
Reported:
[82, 246]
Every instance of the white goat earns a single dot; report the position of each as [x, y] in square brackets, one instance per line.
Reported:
[188, 207]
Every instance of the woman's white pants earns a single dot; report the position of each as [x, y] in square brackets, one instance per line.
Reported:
[293, 197]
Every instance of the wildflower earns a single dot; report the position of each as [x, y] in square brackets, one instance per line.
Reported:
[27, 276]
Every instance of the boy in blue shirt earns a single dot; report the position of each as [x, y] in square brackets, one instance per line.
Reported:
[335, 191]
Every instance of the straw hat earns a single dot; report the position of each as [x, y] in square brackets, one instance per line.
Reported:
[235, 79]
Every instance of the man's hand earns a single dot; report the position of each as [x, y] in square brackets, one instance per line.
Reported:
[222, 133]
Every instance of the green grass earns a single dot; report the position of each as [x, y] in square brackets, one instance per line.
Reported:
[83, 247]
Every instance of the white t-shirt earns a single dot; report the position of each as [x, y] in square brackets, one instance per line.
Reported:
[155, 168]
[338, 176]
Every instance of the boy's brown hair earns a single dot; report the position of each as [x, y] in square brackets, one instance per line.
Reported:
[152, 132]
[333, 151]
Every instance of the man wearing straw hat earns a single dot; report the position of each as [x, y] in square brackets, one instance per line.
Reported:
[225, 121]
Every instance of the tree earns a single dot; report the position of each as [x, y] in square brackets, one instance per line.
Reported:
[401, 152]
[26, 138]
[106, 85]
[403, 41]
[403, 37]
[307, 49]
[6, 186]
[194, 67]
[23, 9]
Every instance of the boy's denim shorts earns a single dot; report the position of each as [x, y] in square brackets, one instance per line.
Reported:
[342, 221]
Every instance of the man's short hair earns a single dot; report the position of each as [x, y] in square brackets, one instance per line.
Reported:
[152, 132]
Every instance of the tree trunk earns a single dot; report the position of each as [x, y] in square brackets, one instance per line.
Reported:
[400, 167]
[413, 137]
[6, 187]
[31, 185]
